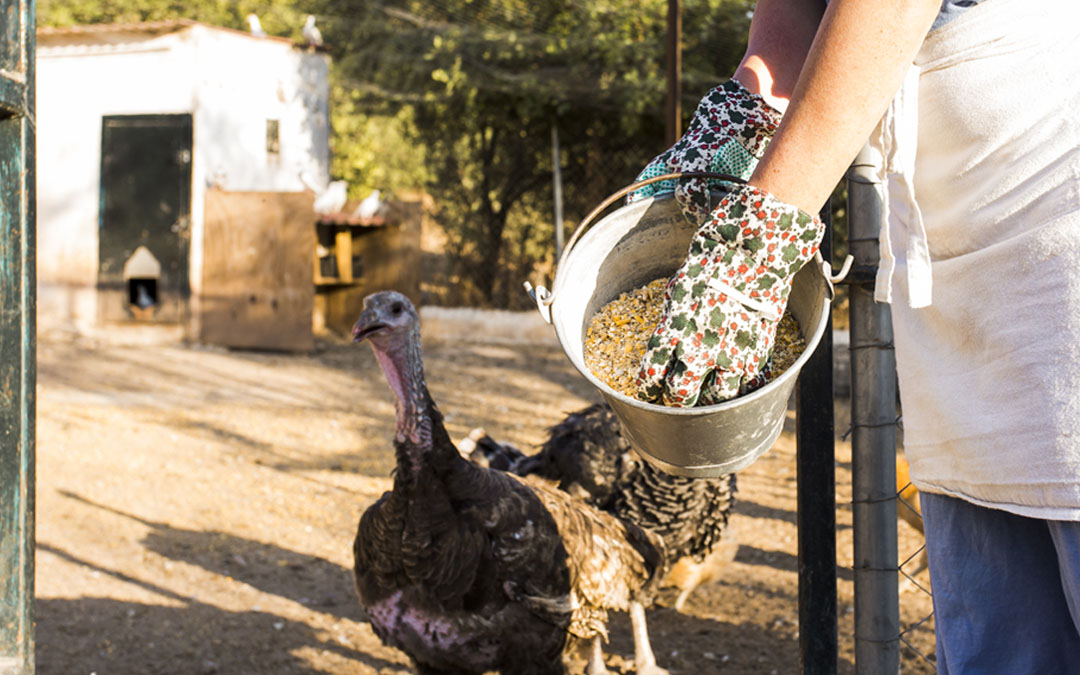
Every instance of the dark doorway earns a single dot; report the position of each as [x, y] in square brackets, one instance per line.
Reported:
[145, 201]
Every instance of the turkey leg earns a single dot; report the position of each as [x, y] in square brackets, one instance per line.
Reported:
[596, 658]
[644, 660]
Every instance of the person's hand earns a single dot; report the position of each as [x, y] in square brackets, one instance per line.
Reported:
[728, 134]
[722, 307]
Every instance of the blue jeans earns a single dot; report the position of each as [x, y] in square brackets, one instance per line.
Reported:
[1006, 589]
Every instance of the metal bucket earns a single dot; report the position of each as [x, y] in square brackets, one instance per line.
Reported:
[627, 249]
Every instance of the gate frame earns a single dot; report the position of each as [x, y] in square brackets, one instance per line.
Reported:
[17, 338]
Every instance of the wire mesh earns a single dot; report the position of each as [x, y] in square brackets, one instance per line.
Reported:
[913, 570]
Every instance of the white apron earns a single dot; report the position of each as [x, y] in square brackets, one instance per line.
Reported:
[988, 209]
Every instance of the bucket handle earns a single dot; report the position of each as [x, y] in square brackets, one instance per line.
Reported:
[542, 296]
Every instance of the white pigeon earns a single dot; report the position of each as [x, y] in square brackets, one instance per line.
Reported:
[255, 26]
[332, 199]
[310, 32]
[370, 207]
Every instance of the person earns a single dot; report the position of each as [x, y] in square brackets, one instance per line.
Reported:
[972, 109]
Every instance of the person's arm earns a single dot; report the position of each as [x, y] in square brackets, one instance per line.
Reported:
[781, 33]
[856, 63]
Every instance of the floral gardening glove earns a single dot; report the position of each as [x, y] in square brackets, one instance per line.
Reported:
[728, 134]
[722, 306]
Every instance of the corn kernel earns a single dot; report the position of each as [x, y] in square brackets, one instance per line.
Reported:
[617, 335]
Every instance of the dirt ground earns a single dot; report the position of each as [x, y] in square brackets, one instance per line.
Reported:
[196, 509]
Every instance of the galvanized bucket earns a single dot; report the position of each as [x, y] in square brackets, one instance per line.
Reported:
[628, 248]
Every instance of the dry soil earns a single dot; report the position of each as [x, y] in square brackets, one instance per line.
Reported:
[196, 509]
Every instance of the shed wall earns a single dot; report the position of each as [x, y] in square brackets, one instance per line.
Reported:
[75, 90]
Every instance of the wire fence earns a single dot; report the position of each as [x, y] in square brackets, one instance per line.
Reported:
[913, 567]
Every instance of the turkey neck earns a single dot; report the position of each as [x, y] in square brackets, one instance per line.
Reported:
[420, 438]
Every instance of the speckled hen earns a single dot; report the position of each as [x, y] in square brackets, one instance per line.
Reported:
[587, 456]
[470, 570]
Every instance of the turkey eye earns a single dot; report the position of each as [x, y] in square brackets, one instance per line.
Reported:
[396, 308]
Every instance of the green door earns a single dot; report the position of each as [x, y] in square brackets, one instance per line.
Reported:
[145, 203]
[17, 337]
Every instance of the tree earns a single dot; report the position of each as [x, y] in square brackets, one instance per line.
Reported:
[278, 17]
[487, 81]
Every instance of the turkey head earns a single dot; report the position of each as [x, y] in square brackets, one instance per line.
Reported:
[391, 325]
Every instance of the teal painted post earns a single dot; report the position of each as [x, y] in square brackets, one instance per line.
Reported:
[17, 336]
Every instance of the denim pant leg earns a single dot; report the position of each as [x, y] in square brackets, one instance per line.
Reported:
[1066, 535]
[1000, 603]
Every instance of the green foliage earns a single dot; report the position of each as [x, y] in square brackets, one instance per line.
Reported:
[371, 151]
[278, 17]
[489, 79]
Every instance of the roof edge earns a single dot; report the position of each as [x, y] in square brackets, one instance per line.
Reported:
[153, 28]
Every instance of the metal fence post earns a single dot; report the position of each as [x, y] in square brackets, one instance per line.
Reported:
[17, 337]
[873, 441]
[815, 458]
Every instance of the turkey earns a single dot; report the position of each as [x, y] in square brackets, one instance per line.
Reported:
[587, 456]
[469, 570]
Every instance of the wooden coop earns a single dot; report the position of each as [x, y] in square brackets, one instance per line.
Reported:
[357, 256]
[177, 163]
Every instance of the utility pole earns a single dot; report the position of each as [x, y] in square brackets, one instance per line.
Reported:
[556, 180]
[674, 71]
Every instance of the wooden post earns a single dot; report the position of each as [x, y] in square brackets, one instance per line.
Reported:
[674, 71]
[17, 337]
[344, 253]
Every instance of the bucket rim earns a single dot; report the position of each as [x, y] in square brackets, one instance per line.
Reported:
[792, 371]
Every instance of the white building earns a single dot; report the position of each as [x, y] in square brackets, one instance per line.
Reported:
[139, 128]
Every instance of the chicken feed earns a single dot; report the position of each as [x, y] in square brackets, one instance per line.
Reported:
[617, 335]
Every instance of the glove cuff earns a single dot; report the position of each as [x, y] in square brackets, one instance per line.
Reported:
[747, 116]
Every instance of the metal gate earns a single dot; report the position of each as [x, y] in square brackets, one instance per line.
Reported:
[879, 635]
[17, 337]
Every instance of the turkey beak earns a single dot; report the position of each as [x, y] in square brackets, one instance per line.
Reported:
[367, 324]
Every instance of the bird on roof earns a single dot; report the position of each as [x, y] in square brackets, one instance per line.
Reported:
[333, 198]
[311, 34]
[255, 26]
[371, 206]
